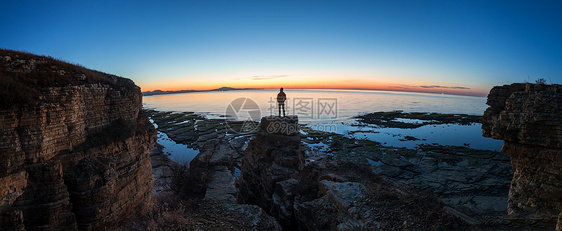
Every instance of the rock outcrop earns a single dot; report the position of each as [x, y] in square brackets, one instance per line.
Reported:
[274, 155]
[528, 118]
[328, 192]
[75, 154]
[220, 158]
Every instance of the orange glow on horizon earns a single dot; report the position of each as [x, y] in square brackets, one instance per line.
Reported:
[351, 85]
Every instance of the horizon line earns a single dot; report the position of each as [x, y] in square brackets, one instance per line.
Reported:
[474, 94]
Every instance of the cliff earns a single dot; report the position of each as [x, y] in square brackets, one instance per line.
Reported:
[528, 118]
[74, 146]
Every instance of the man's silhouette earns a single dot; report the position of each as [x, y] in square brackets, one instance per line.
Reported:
[281, 97]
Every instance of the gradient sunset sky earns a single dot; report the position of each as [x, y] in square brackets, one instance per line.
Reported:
[460, 47]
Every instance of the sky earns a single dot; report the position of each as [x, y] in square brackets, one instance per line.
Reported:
[452, 47]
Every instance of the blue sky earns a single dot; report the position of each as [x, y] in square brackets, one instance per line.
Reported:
[463, 47]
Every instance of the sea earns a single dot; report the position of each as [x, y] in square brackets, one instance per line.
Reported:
[333, 111]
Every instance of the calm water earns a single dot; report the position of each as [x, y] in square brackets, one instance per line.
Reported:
[333, 110]
[314, 105]
[178, 152]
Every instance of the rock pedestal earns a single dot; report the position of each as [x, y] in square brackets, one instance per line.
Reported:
[274, 155]
[528, 117]
[218, 157]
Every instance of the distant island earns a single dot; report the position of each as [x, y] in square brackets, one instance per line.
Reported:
[160, 92]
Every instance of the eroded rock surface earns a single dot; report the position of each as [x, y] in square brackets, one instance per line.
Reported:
[328, 192]
[220, 158]
[76, 157]
[528, 118]
[272, 156]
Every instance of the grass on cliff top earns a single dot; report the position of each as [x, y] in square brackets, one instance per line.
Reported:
[22, 80]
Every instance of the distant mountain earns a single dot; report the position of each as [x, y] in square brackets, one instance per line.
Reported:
[160, 92]
[227, 89]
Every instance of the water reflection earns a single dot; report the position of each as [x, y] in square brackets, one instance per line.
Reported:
[349, 103]
[443, 134]
[177, 152]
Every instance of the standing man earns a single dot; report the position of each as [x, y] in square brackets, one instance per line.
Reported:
[281, 97]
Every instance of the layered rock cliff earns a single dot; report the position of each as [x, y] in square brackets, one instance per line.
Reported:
[528, 118]
[74, 146]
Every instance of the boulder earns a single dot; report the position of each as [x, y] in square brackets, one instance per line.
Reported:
[349, 198]
[283, 197]
[317, 214]
[221, 187]
[215, 153]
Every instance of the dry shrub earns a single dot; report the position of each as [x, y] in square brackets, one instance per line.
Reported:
[190, 183]
[170, 208]
[167, 213]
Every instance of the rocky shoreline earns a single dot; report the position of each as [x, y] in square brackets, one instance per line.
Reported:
[79, 155]
[471, 185]
[389, 119]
